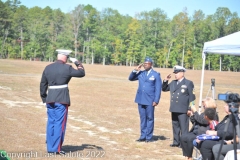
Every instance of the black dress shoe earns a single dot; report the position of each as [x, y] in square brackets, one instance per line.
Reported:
[141, 140]
[61, 153]
[174, 145]
[54, 153]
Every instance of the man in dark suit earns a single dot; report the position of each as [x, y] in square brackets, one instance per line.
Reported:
[55, 79]
[147, 97]
[182, 98]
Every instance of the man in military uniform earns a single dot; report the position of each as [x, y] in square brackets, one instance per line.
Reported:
[182, 97]
[55, 79]
[147, 97]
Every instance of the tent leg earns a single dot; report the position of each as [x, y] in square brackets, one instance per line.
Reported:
[201, 85]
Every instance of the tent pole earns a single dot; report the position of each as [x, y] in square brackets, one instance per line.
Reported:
[202, 78]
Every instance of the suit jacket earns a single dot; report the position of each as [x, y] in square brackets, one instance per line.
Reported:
[57, 73]
[149, 88]
[181, 95]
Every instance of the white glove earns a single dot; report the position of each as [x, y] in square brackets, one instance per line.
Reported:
[73, 59]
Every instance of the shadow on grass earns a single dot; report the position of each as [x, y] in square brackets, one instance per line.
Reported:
[156, 138]
[68, 148]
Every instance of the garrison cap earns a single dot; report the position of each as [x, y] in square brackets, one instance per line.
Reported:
[177, 69]
[147, 59]
[64, 52]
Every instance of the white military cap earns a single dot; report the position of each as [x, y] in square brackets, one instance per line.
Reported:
[64, 52]
[177, 69]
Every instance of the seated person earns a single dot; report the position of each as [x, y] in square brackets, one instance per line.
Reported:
[226, 148]
[206, 146]
[209, 115]
[228, 145]
[200, 125]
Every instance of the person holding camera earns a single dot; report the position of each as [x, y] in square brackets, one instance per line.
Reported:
[147, 97]
[228, 145]
[200, 126]
[206, 146]
[54, 92]
[182, 96]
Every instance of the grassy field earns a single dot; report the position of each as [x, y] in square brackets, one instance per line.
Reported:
[103, 120]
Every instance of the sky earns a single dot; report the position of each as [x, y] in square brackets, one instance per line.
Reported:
[131, 7]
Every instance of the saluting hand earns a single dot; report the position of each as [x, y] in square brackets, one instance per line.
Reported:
[138, 67]
[168, 77]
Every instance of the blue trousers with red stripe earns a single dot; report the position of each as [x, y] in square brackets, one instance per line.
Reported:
[56, 126]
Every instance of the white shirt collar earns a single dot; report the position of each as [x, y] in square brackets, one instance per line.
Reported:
[149, 71]
[180, 80]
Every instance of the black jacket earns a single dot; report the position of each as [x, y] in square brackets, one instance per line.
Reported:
[56, 74]
[221, 126]
[200, 124]
[181, 94]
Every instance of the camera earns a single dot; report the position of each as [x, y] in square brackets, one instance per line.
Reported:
[213, 82]
[232, 99]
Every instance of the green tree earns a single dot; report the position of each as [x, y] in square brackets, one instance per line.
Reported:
[7, 10]
[181, 24]
[77, 19]
[20, 25]
[133, 42]
[90, 27]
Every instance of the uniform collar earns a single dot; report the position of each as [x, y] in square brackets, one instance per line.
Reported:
[59, 61]
[180, 80]
[149, 71]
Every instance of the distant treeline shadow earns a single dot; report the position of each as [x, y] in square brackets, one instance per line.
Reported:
[68, 148]
[156, 138]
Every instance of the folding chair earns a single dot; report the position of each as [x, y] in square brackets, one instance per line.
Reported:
[197, 155]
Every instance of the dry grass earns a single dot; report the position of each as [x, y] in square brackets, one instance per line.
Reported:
[102, 116]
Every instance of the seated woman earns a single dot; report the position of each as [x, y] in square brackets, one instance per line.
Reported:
[228, 145]
[200, 126]
[206, 146]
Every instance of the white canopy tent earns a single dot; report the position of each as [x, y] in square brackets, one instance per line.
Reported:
[229, 45]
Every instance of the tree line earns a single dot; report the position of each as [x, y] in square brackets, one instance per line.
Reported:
[107, 37]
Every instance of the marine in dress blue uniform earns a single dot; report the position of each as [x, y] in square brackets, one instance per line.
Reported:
[182, 98]
[55, 79]
[147, 97]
